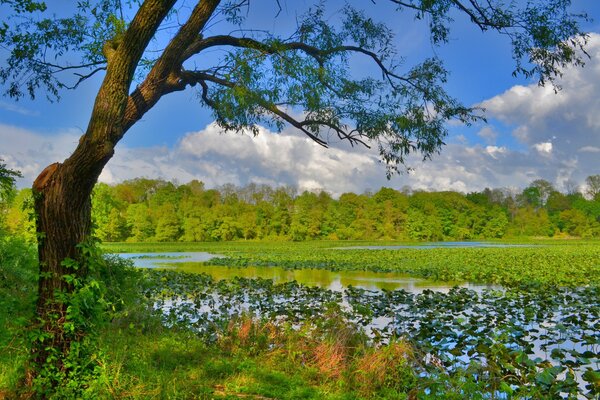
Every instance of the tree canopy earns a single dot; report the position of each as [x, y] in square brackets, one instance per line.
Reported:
[7, 177]
[249, 77]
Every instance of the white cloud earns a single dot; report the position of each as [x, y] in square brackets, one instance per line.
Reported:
[18, 109]
[544, 148]
[277, 159]
[493, 151]
[564, 128]
[488, 134]
[30, 152]
[590, 149]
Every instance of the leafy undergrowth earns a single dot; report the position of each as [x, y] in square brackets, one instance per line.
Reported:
[17, 285]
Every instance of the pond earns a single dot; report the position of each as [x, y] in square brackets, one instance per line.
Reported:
[548, 337]
[436, 245]
[195, 262]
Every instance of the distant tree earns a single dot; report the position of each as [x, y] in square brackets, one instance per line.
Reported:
[557, 202]
[577, 223]
[593, 186]
[536, 194]
[531, 222]
[105, 207]
[168, 226]
[228, 229]
[7, 192]
[117, 229]
[571, 187]
[18, 218]
[496, 224]
[530, 196]
[140, 222]
[7, 179]
[423, 225]
[247, 224]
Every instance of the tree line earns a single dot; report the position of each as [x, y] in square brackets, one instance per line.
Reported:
[156, 210]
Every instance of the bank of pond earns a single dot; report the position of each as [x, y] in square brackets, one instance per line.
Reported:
[511, 320]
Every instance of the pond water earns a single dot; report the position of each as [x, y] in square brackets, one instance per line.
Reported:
[333, 280]
[160, 260]
[436, 245]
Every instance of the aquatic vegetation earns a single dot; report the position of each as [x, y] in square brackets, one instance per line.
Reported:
[571, 263]
[537, 342]
[535, 337]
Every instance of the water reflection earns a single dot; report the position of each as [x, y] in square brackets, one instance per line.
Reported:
[333, 280]
[160, 260]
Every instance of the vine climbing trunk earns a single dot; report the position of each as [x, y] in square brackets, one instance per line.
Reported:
[63, 212]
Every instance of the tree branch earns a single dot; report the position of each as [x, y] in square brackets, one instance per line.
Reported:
[83, 77]
[319, 55]
[96, 146]
[193, 77]
[163, 77]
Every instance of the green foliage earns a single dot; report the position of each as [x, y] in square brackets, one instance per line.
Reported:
[7, 179]
[7, 191]
[145, 210]
[18, 281]
[544, 34]
[107, 292]
[77, 312]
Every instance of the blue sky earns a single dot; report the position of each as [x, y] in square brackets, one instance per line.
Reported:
[171, 141]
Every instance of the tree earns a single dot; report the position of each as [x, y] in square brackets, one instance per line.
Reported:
[168, 226]
[260, 78]
[593, 186]
[7, 189]
[7, 179]
[544, 188]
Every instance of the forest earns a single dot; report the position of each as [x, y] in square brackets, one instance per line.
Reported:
[156, 210]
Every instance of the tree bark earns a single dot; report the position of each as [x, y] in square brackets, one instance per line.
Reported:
[63, 210]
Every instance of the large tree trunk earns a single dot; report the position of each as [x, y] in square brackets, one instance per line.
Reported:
[63, 213]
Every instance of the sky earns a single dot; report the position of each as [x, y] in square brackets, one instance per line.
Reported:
[532, 132]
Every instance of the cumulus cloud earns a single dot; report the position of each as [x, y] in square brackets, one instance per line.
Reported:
[564, 127]
[544, 148]
[30, 152]
[275, 159]
[488, 134]
[287, 159]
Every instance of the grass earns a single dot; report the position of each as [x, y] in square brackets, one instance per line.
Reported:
[255, 359]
